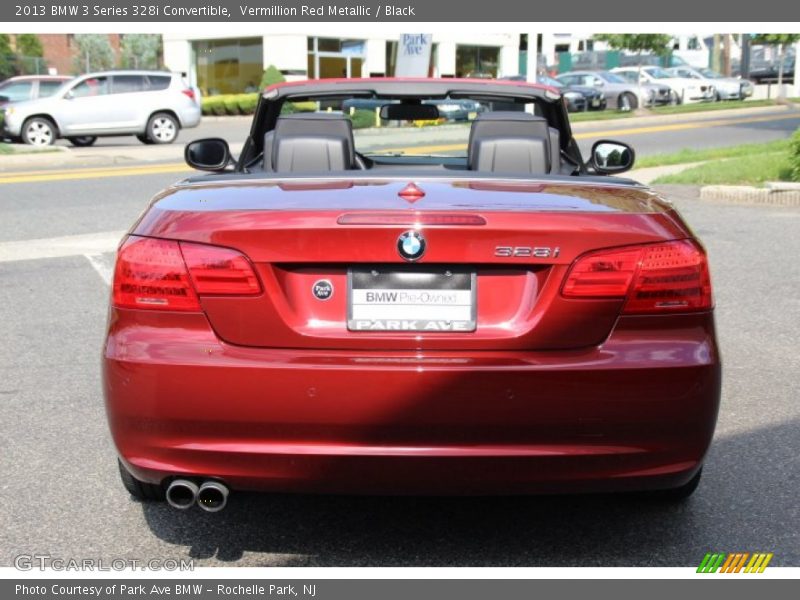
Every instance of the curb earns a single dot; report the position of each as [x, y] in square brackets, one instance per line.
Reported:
[689, 116]
[744, 194]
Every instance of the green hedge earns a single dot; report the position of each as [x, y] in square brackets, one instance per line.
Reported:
[362, 119]
[230, 104]
[794, 156]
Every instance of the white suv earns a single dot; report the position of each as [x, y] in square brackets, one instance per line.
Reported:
[151, 105]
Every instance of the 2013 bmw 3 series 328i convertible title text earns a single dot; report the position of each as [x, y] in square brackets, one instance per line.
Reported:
[413, 305]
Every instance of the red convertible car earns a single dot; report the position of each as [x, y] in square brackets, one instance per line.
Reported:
[410, 306]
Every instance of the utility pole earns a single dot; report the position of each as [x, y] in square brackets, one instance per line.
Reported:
[715, 62]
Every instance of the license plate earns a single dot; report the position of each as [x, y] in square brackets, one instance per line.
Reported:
[472, 116]
[595, 102]
[411, 299]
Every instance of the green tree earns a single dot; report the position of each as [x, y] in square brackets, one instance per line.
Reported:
[30, 54]
[140, 51]
[657, 43]
[782, 41]
[94, 53]
[7, 68]
[271, 76]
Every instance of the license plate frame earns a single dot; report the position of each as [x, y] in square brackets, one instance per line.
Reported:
[452, 296]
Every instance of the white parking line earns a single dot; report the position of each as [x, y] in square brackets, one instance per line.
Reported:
[103, 269]
[90, 244]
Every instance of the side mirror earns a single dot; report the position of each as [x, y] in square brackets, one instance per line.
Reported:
[609, 157]
[70, 95]
[599, 83]
[208, 154]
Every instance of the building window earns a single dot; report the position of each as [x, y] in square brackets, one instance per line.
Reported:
[330, 58]
[229, 66]
[477, 61]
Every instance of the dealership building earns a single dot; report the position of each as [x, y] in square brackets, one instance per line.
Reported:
[224, 65]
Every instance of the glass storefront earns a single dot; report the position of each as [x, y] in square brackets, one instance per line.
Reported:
[330, 58]
[477, 61]
[228, 66]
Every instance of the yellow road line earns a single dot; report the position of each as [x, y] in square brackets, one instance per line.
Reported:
[93, 173]
[102, 172]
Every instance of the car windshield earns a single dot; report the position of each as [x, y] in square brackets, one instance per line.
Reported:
[442, 130]
[610, 77]
[708, 73]
[658, 73]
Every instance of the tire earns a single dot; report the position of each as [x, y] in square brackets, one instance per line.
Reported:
[627, 101]
[679, 494]
[82, 141]
[674, 98]
[146, 492]
[143, 138]
[39, 131]
[162, 128]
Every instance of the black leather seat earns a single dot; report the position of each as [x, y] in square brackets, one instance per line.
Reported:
[310, 142]
[512, 142]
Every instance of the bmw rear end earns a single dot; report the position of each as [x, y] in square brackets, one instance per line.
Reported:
[371, 332]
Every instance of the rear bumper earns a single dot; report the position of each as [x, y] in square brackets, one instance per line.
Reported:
[637, 412]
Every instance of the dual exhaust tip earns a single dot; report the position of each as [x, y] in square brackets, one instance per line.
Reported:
[211, 496]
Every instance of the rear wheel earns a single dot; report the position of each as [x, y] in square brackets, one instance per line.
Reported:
[82, 141]
[628, 101]
[162, 128]
[39, 131]
[139, 489]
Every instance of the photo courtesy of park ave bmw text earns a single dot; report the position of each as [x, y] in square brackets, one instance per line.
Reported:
[422, 299]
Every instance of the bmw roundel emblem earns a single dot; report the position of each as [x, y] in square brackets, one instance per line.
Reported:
[411, 245]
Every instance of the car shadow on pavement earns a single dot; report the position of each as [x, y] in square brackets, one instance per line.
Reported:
[746, 502]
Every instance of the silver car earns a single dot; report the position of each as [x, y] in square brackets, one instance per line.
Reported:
[726, 88]
[151, 105]
[619, 93]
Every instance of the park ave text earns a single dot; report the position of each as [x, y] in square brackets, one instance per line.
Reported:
[176, 589]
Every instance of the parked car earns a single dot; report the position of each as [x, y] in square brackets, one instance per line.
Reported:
[684, 90]
[592, 97]
[30, 87]
[578, 98]
[151, 105]
[619, 93]
[319, 316]
[725, 88]
[768, 73]
[458, 109]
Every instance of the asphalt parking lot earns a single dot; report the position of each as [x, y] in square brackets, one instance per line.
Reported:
[61, 494]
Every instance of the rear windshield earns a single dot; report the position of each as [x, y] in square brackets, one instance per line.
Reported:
[444, 131]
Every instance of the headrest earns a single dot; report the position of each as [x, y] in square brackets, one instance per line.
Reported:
[311, 142]
[510, 142]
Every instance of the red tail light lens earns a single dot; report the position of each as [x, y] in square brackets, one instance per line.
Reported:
[154, 274]
[189, 92]
[655, 278]
[220, 271]
[150, 274]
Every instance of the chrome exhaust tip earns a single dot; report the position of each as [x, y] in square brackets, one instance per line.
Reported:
[213, 496]
[182, 494]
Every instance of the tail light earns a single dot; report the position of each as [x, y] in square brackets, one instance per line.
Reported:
[652, 278]
[189, 92]
[155, 274]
